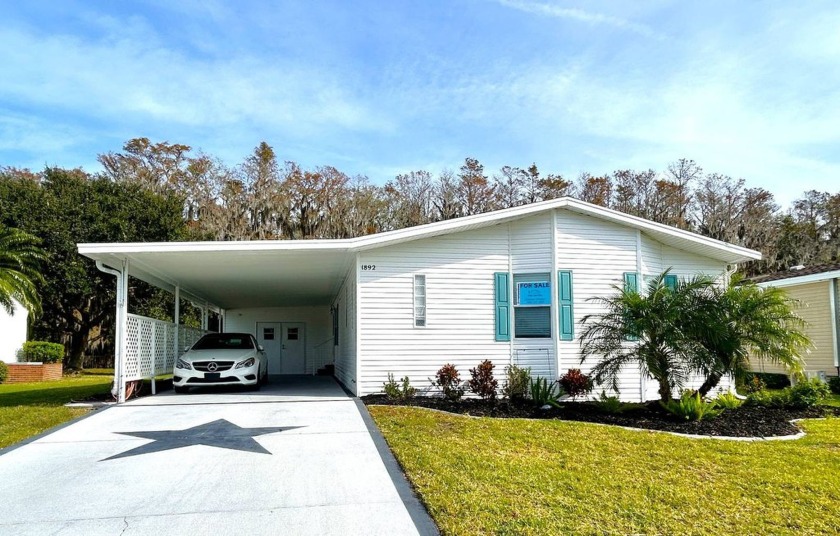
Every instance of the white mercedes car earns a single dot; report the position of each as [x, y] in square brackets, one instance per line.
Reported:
[222, 359]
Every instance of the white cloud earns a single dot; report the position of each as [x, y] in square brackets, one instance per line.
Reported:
[595, 19]
[113, 79]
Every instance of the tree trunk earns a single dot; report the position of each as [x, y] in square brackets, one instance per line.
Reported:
[78, 345]
[664, 392]
[711, 382]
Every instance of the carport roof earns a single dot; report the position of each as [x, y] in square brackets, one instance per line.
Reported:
[310, 272]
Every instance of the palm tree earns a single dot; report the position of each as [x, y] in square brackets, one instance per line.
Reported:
[656, 320]
[743, 320]
[20, 259]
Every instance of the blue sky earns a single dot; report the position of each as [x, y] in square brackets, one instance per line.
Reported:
[749, 89]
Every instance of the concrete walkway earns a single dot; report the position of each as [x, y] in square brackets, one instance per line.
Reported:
[295, 458]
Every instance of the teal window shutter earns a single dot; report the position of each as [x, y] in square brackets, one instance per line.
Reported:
[565, 303]
[631, 284]
[502, 291]
[671, 281]
[631, 281]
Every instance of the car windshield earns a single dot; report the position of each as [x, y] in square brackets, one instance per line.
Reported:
[224, 341]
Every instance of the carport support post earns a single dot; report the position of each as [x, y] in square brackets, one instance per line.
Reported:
[177, 322]
[154, 357]
[204, 316]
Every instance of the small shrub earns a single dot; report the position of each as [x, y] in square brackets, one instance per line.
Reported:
[808, 393]
[407, 390]
[754, 384]
[518, 381]
[834, 384]
[691, 407]
[727, 401]
[610, 404]
[43, 352]
[544, 393]
[575, 383]
[768, 399]
[396, 391]
[482, 382]
[4, 371]
[448, 380]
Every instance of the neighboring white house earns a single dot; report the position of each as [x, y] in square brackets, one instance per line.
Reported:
[510, 286]
[12, 332]
[817, 288]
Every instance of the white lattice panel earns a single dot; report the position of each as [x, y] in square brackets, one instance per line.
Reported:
[150, 346]
[131, 364]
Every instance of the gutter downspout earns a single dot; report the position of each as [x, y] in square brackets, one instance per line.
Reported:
[118, 391]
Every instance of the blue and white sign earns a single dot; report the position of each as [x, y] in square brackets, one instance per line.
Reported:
[536, 293]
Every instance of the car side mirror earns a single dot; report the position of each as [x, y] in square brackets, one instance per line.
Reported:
[260, 348]
[186, 349]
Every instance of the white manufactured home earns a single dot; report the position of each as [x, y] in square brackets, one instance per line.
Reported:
[510, 286]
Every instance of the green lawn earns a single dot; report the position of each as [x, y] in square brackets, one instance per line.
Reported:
[27, 409]
[833, 400]
[506, 476]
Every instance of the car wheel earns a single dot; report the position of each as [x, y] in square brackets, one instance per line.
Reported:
[181, 390]
[264, 379]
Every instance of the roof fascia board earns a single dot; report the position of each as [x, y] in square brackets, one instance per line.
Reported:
[190, 247]
[801, 280]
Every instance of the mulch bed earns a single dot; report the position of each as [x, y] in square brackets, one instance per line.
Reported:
[745, 421]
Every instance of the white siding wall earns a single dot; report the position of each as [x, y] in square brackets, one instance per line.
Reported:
[530, 247]
[460, 296]
[345, 351]
[598, 253]
[460, 327]
[317, 320]
[12, 332]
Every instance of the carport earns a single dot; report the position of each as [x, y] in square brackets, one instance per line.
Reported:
[217, 277]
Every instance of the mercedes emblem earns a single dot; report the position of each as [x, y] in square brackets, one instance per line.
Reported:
[212, 367]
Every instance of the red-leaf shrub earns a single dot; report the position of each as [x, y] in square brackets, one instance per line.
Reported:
[482, 382]
[448, 380]
[575, 383]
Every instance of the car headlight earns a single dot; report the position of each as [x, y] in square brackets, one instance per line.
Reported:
[183, 364]
[247, 363]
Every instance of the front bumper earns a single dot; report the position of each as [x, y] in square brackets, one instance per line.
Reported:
[196, 378]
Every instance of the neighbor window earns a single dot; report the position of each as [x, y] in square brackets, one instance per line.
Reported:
[532, 306]
[419, 301]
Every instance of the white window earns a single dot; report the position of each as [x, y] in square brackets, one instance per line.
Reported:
[419, 301]
[532, 306]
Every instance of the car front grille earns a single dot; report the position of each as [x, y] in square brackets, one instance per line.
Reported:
[221, 365]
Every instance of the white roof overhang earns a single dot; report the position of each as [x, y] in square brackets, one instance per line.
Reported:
[801, 280]
[310, 272]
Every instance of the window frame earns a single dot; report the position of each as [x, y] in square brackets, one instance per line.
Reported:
[420, 321]
[515, 305]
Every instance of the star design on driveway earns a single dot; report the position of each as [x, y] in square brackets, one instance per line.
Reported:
[220, 433]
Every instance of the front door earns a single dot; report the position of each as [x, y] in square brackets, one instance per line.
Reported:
[285, 346]
[269, 336]
[294, 348]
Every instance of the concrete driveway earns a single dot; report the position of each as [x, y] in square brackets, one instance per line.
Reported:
[297, 457]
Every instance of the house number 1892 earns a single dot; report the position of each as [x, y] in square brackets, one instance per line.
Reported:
[368, 267]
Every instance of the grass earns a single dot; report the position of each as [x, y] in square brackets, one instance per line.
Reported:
[833, 400]
[507, 476]
[27, 409]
